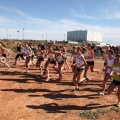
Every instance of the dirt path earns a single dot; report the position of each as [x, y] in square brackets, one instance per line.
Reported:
[29, 97]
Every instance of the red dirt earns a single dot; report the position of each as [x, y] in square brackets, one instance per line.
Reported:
[28, 97]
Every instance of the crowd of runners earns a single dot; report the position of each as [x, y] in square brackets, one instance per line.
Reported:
[81, 59]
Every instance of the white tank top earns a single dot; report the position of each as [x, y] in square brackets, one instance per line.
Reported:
[27, 52]
[79, 61]
[110, 62]
[60, 58]
[51, 56]
[38, 53]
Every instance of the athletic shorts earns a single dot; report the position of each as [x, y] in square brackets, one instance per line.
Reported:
[105, 64]
[116, 82]
[60, 63]
[4, 55]
[19, 55]
[80, 69]
[41, 59]
[74, 63]
[90, 63]
[32, 56]
[52, 62]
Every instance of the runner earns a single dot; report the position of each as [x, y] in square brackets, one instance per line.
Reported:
[28, 54]
[40, 58]
[109, 61]
[64, 52]
[73, 58]
[51, 60]
[33, 48]
[19, 51]
[3, 59]
[60, 60]
[90, 61]
[116, 78]
[78, 75]
[105, 55]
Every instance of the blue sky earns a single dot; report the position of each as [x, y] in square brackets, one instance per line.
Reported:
[56, 17]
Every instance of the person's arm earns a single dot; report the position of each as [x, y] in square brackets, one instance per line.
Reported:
[106, 65]
[5, 49]
[103, 56]
[83, 59]
[92, 53]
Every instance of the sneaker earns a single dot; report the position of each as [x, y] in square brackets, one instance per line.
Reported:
[98, 71]
[86, 78]
[111, 78]
[26, 71]
[76, 89]
[41, 73]
[47, 79]
[118, 104]
[101, 93]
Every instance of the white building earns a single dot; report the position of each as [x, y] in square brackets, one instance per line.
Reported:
[84, 36]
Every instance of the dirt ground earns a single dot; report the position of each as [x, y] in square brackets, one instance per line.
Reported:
[29, 97]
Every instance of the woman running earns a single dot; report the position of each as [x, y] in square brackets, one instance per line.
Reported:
[51, 60]
[40, 58]
[73, 58]
[28, 54]
[33, 48]
[3, 58]
[79, 69]
[19, 51]
[64, 52]
[116, 78]
[109, 61]
[105, 55]
[60, 60]
[90, 61]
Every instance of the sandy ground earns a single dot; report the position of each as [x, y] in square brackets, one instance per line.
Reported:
[29, 97]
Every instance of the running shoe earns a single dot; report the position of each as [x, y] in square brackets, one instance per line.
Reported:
[47, 78]
[41, 73]
[76, 89]
[101, 93]
[26, 71]
[118, 104]
[111, 78]
[86, 78]
[98, 71]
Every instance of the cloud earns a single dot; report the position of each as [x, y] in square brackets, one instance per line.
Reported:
[79, 15]
[36, 27]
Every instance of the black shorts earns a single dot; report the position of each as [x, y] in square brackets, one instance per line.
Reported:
[105, 64]
[32, 56]
[60, 63]
[19, 55]
[116, 82]
[80, 69]
[41, 59]
[52, 62]
[90, 63]
[4, 55]
[74, 63]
